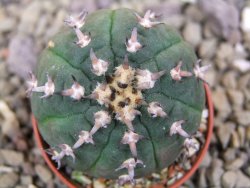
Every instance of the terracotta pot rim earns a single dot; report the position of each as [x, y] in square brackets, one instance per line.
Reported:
[179, 182]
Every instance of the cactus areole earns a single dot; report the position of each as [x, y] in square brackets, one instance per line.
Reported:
[116, 94]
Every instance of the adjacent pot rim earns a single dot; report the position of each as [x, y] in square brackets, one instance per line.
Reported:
[41, 144]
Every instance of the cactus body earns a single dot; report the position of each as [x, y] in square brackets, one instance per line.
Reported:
[114, 97]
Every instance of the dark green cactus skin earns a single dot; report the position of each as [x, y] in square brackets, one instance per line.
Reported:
[60, 119]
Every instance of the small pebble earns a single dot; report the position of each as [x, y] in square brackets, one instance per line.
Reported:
[248, 171]
[76, 6]
[5, 169]
[9, 123]
[104, 3]
[26, 180]
[98, 184]
[235, 140]
[246, 38]
[224, 132]
[207, 48]
[216, 12]
[194, 13]
[248, 133]
[42, 25]
[28, 23]
[229, 80]
[8, 180]
[202, 181]
[192, 33]
[23, 57]
[215, 172]
[229, 179]
[229, 154]
[43, 172]
[221, 102]
[12, 158]
[7, 24]
[235, 164]
[242, 179]
[240, 51]
[245, 17]
[49, 6]
[243, 117]
[242, 65]
[225, 52]
[28, 168]
[244, 81]
[57, 24]
[242, 135]
[236, 97]
[3, 71]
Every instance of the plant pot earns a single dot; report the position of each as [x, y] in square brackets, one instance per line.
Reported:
[200, 155]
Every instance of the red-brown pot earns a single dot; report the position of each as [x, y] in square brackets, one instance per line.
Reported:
[42, 145]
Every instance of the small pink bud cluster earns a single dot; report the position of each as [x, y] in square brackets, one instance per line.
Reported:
[76, 23]
[177, 73]
[130, 165]
[66, 150]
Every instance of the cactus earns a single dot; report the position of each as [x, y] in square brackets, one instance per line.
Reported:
[122, 100]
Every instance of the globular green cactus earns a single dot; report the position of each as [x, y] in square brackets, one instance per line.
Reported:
[122, 99]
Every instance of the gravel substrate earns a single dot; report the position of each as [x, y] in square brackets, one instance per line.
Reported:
[220, 33]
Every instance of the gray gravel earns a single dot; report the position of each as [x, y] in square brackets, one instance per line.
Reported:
[22, 55]
[217, 39]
